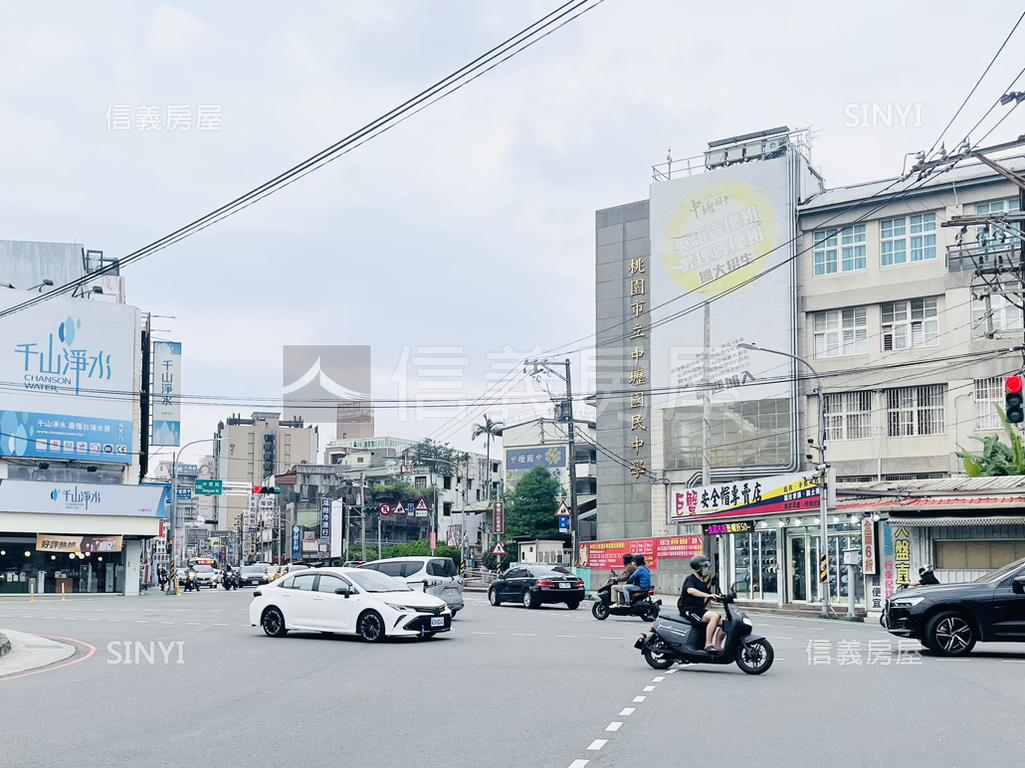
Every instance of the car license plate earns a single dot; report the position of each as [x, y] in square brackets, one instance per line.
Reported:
[563, 585]
[437, 621]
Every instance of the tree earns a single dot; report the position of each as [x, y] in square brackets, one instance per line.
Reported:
[531, 507]
[438, 457]
[489, 429]
[996, 458]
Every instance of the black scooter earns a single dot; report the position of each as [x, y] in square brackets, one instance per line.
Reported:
[640, 605]
[680, 640]
[229, 580]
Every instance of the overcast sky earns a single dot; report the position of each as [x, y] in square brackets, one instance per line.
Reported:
[469, 227]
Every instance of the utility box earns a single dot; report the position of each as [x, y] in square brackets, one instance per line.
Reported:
[852, 557]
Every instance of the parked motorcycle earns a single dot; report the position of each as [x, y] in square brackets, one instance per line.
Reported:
[640, 605]
[681, 640]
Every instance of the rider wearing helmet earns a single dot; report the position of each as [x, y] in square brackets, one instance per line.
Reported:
[618, 590]
[926, 577]
[697, 591]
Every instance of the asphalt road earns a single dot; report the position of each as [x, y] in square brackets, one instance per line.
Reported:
[507, 688]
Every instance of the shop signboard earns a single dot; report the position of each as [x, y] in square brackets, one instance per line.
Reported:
[499, 509]
[184, 493]
[325, 523]
[48, 542]
[757, 497]
[61, 356]
[297, 542]
[35, 497]
[869, 556]
[608, 555]
[722, 529]
[889, 577]
[166, 393]
[902, 557]
[711, 234]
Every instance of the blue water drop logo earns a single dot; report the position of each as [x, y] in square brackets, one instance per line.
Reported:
[67, 330]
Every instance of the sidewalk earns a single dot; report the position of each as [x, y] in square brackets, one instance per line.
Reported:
[30, 652]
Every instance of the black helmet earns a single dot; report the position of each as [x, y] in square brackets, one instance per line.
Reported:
[639, 559]
[924, 570]
[627, 559]
[697, 562]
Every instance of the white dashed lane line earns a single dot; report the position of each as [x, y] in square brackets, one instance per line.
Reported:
[597, 744]
[614, 726]
[639, 699]
[627, 711]
[579, 763]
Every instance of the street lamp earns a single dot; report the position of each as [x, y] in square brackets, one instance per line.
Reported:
[174, 492]
[822, 467]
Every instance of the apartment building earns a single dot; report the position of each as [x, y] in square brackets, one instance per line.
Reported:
[250, 450]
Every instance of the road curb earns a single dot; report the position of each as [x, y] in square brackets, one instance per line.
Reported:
[5, 645]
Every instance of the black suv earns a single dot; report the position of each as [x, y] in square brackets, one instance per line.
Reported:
[950, 619]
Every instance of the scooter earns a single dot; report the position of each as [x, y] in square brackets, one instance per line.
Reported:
[681, 640]
[229, 580]
[641, 604]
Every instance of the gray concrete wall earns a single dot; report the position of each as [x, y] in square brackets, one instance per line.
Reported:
[624, 502]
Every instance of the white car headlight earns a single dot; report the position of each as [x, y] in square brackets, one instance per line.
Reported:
[400, 607]
[908, 602]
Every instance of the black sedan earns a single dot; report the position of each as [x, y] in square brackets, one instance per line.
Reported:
[950, 619]
[535, 585]
[253, 575]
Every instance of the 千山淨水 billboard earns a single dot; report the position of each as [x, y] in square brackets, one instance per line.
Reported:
[68, 371]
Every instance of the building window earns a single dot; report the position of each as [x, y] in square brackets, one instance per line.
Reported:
[907, 237]
[848, 416]
[841, 332]
[976, 555]
[420, 481]
[989, 394]
[1001, 315]
[915, 411]
[840, 248]
[910, 324]
[991, 237]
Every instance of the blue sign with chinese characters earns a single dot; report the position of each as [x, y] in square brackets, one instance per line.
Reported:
[524, 459]
[66, 438]
[297, 542]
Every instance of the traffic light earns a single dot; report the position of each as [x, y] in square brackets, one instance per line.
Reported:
[1013, 400]
[266, 489]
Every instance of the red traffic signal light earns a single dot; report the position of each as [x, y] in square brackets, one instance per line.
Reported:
[259, 489]
[1013, 400]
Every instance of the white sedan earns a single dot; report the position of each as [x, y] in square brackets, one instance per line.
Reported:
[347, 601]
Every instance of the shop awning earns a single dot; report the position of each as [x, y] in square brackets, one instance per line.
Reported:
[958, 522]
[938, 504]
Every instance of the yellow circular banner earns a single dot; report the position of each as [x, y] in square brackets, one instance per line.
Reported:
[714, 239]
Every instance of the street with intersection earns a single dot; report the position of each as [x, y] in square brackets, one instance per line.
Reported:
[171, 681]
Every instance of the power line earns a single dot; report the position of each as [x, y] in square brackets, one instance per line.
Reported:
[512, 46]
[976, 86]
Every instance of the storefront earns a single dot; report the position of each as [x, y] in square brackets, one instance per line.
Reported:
[962, 527]
[75, 538]
[765, 537]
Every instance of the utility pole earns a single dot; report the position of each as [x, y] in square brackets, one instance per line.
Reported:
[362, 518]
[989, 261]
[706, 399]
[571, 445]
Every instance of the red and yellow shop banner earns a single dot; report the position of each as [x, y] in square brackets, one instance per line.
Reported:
[757, 497]
[54, 542]
[608, 555]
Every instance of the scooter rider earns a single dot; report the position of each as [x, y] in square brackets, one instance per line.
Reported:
[628, 571]
[926, 577]
[695, 596]
[639, 581]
